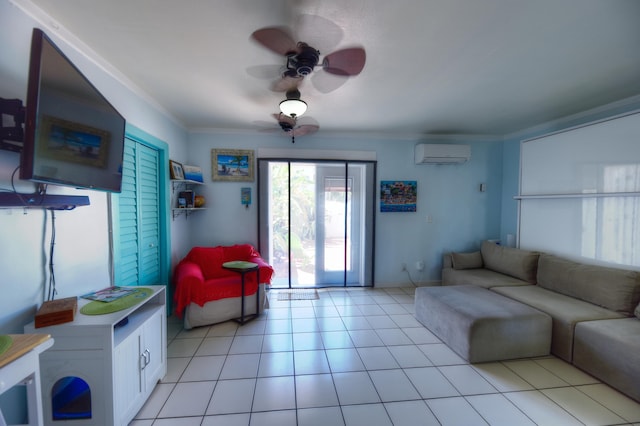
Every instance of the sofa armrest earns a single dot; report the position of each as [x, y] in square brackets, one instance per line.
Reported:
[266, 270]
[446, 261]
[187, 277]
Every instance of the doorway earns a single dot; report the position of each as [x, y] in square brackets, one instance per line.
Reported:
[316, 222]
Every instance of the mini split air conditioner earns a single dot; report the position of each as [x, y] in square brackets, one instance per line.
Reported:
[442, 153]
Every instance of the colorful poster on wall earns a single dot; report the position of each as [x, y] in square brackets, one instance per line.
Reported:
[398, 195]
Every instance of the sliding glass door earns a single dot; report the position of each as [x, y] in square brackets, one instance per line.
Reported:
[316, 221]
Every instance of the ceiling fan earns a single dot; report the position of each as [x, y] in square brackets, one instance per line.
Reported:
[302, 58]
[294, 127]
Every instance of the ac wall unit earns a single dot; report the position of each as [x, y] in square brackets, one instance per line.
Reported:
[442, 153]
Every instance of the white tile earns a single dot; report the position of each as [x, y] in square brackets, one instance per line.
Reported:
[224, 329]
[355, 388]
[364, 338]
[257, 326]
[271, 418]
[310, 362]
[278, 326]
[306, 312]
[232, 396]
[409, 356]
[535, 374]
[566, 371]
[372, 310]
[141, 423]
[156, 401]
[307, 341]
[366, 415]
[215, 346]
[326, 311]
[321, 416]
[315, 390]
[227, 420]
[440, 354]
[377, 358]
[541, 409]
[240, 366]
[394, 337]
[274, 393]
[498, 410]
[203, 368]
[194, 333]
[277, 343]
[331, 324]
[184, 421]
[336, 339]
[305, 325]
[393, 309]
[175, 368]
[420, 335]
[410, 413]
[350, 311]
[502, 378]
[393, 385]
[582, 407]
[379, 322]
[246, 345]
[276, 364]
[341, 360]
[188, 399]
[620, 404]
[279, 313]
[183, 347]
[430, 382]
[356, 323]
[455, 411]
[466, 380]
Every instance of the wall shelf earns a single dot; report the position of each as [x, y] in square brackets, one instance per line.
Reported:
[175, 212]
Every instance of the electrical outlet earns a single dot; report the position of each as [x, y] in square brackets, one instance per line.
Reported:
[419, 265]
[404, 266]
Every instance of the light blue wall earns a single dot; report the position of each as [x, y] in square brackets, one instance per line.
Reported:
[82, 247]
[462, 215]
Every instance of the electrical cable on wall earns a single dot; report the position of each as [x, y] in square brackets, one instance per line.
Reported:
[52, 277]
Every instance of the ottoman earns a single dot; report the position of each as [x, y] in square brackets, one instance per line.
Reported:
[480, 325]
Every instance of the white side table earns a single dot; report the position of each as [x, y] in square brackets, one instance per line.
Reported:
[20, 364]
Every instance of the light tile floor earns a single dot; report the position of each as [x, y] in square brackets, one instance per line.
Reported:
[359, 357]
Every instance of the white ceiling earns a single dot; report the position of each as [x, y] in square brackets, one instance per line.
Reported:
[482, 67]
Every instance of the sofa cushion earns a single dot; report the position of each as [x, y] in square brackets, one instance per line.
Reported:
[466, 260]
[610, 351]
[480, 277]
[611, 288]
[565, 312]
[510, 261]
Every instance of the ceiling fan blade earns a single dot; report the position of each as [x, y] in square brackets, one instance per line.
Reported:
[346, 62]
[305, 129]
[325, 82]
[286, 84]
[319, 32]
[276, 39]
[283, 118]
[265, 72]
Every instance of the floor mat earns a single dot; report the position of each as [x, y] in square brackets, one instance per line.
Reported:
[299, 294]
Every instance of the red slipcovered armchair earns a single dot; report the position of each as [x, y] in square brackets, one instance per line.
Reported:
[206, 293]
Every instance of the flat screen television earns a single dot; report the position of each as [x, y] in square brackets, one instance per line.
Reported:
[73, 136]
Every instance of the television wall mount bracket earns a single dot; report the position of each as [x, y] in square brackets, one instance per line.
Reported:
[12, 137]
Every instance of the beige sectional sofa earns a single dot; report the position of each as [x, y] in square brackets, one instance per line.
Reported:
[594, 309]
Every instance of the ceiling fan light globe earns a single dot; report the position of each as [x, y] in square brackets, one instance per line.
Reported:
[293, 107]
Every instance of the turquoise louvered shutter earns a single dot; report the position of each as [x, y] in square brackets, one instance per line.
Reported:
[138, 262]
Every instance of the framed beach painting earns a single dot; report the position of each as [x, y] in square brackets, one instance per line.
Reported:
[232, 165]
[398, 195]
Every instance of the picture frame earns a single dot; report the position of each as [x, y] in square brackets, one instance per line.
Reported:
[398, 195]
[232, 165]
[73, 142]
[175, 170]
[193, 173]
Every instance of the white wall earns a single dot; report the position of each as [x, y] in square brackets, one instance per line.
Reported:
[81, 250]
[462, 215]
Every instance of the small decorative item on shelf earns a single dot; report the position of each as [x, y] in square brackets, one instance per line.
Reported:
[188, 197]
[192, 173]
[199, 201]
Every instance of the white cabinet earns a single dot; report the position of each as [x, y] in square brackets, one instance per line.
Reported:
[120, 356]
